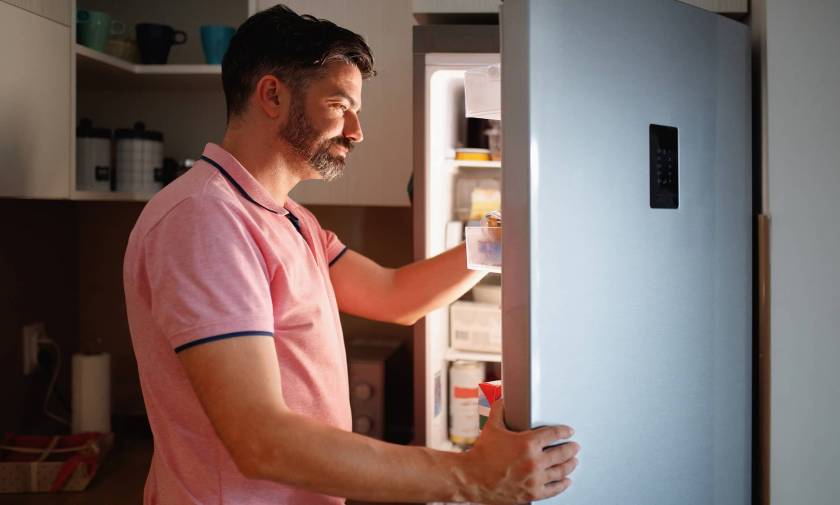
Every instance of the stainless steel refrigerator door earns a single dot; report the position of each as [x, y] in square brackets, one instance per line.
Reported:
[628, 322]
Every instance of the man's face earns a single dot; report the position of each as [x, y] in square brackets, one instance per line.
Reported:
[323, 123]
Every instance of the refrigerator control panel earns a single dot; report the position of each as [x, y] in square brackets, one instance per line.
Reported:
[664, 169]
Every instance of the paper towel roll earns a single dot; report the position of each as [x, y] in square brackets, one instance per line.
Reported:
[91, 393]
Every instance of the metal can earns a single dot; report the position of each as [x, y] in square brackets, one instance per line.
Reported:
[464, 378]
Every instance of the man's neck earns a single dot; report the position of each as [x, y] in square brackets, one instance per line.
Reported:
[264, 161]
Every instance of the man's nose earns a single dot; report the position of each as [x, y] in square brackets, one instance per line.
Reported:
[353, 128]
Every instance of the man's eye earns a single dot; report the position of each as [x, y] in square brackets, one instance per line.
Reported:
[342, 108]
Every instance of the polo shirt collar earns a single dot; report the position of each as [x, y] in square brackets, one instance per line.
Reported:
[242, 180]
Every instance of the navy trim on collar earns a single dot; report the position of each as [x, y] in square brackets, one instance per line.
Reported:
[236, 184]
[295, 221]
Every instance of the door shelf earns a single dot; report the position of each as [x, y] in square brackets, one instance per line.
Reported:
[97, 70]
[455, 355]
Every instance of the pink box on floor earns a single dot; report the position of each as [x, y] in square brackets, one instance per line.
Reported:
[488, 393]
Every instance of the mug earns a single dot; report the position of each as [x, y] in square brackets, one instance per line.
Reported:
[94, 27]
[215, 40]
[154, 42]
[124, 49]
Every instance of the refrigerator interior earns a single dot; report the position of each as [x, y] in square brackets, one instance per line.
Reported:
[445, 129]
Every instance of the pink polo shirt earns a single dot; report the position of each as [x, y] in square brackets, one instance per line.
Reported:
[211, 257]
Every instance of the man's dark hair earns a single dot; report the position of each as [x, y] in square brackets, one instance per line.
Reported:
[292, 47]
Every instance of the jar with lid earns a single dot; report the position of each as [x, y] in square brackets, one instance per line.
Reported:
[139, 159]
[93, 157]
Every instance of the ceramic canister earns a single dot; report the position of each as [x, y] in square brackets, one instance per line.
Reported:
[139, 159]
[93, 157]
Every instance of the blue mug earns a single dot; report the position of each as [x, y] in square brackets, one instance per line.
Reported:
[215, 40]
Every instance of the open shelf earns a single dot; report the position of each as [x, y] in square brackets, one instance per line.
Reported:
[110, 196]
[97, 70]
[455, 355]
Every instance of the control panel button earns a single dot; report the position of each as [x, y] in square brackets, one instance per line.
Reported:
[362, 424]
[362, 391]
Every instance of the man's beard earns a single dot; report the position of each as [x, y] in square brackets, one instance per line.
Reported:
[303, 137]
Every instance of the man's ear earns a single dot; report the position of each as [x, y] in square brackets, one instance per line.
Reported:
[272, 96]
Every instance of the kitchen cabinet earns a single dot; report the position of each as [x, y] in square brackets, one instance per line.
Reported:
[455, 6]
[184, 99]
[35, 111]
[722, 6]
[379, 168]
[492, 6]
[56, 10]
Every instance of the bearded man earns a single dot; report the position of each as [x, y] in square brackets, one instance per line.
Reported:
[233, 292]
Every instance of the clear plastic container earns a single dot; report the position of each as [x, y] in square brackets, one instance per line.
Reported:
[494, 140]
[484, 248]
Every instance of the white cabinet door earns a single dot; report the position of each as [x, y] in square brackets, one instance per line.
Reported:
[35, 107]
[456, 6]
[378, 169]
[723, 6]
[57, 10]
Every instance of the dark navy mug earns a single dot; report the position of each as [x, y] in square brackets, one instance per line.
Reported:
[154, 42]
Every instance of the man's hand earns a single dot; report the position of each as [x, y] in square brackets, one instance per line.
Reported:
[506, 467]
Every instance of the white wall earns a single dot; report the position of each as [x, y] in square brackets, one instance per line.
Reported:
[802, 163]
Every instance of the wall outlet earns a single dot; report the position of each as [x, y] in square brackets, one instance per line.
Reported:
[31, 334]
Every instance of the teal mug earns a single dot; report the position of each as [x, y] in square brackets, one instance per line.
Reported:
[215, 40]
[94, 27]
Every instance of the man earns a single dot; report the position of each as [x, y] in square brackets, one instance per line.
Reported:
[233, 292]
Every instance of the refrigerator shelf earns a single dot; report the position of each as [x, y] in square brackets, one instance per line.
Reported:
[456, 164]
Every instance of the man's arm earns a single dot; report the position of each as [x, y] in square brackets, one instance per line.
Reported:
[237, 381]
[403, 295]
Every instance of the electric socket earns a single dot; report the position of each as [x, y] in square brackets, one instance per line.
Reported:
[31, 334]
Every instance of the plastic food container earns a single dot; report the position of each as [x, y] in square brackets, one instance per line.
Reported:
[484, 248]
[484, 293]
[475, 326]
[472, 154]
[494, 141]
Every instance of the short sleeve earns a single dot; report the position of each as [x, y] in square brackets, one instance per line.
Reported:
[207, 277]
[334, 249]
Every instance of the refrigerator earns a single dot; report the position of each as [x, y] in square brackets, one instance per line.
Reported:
[627, 249]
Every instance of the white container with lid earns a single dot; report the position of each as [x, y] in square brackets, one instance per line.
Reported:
[93, 157]
[139, 159]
